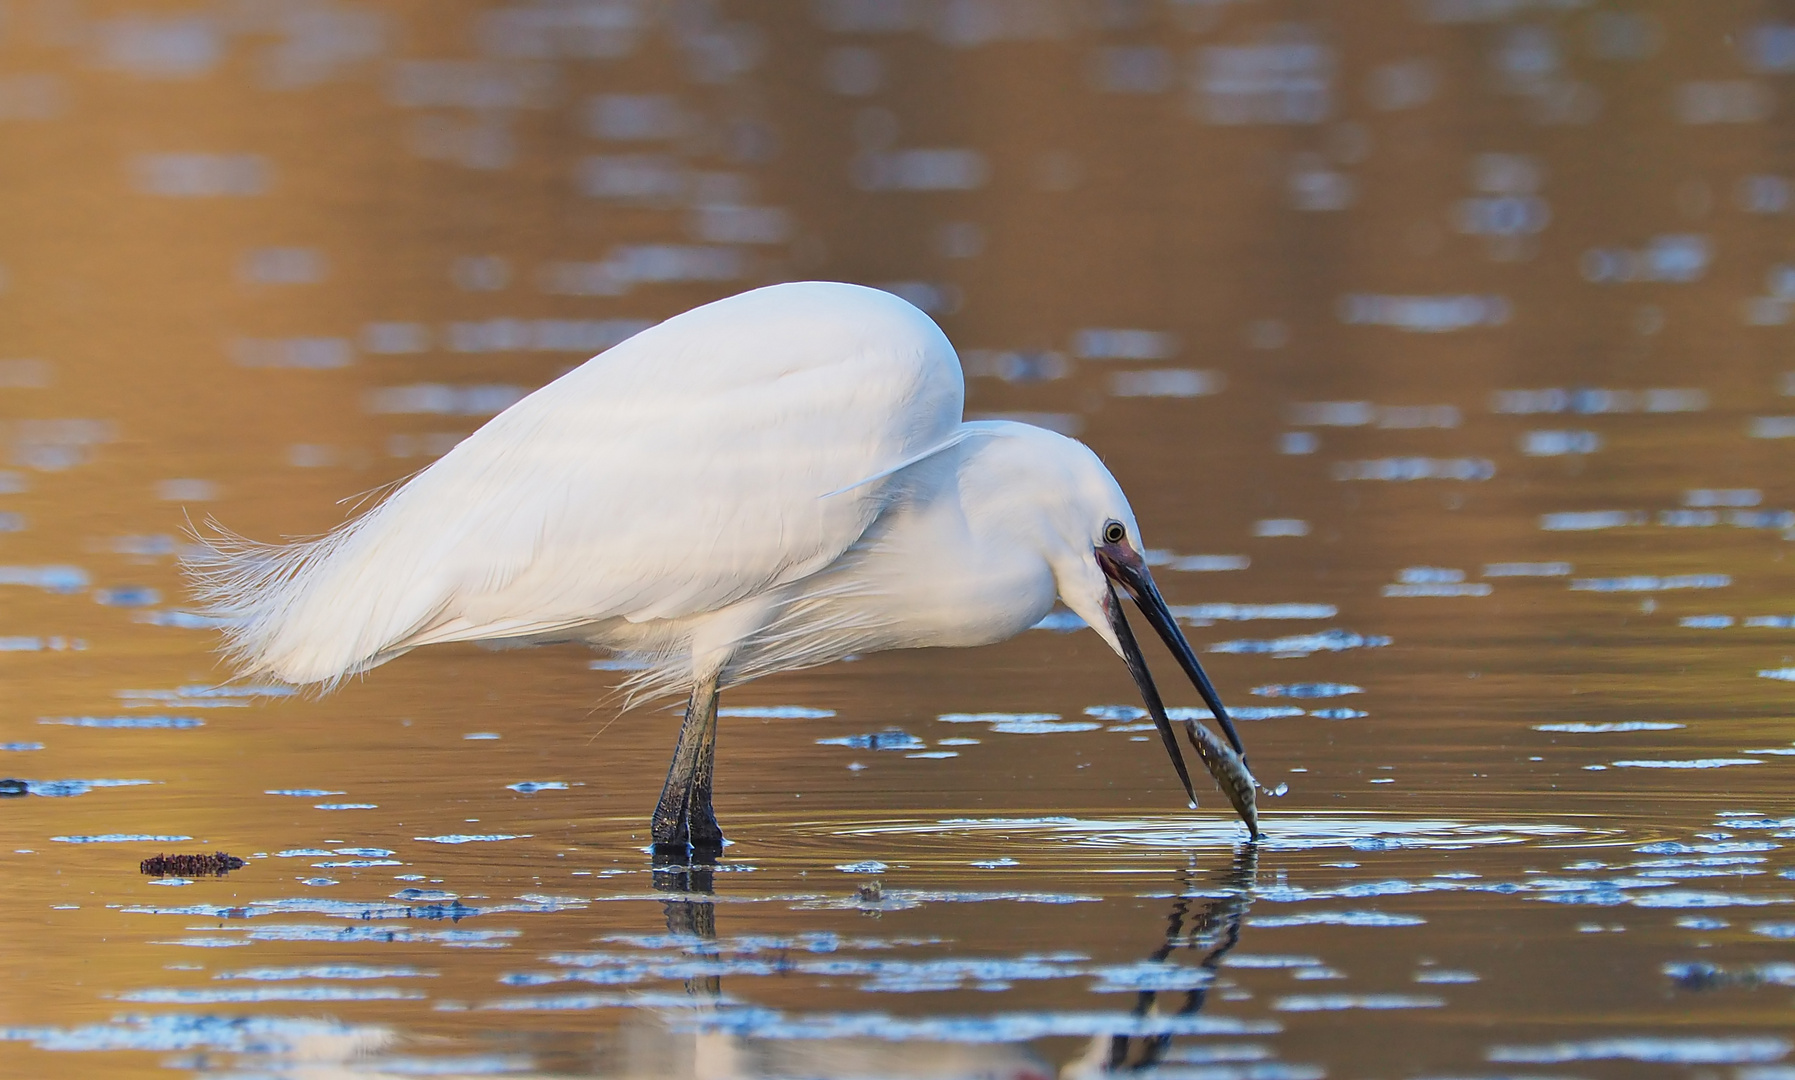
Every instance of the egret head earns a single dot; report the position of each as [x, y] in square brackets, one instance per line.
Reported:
[1078, 514]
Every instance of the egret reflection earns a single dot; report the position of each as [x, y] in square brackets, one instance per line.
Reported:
[1208, 928]
[691, 915]
[1204, 927]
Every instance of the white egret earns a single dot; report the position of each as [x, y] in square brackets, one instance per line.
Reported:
[771, 481]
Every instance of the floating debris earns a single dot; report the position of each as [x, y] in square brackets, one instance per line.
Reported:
[217, 864]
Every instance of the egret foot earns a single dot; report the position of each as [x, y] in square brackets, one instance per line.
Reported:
[666, 855]
[702, 830]
[693, 838]
[684, 826]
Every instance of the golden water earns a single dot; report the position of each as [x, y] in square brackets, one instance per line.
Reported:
[249, 247]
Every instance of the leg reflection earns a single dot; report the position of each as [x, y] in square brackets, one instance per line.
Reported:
[692, 914]
[1211, 927]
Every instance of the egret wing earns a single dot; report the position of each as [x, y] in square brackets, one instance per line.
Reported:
[688, 468]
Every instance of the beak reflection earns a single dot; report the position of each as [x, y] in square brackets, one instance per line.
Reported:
[1125, 567]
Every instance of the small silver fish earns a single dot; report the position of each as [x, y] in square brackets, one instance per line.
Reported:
[1230, 772]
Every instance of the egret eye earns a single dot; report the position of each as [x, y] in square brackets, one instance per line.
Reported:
[1114, 533]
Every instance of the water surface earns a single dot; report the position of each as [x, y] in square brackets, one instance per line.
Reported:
[1439, 345]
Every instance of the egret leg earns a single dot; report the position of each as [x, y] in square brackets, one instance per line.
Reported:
[701, 818]
[684, 822]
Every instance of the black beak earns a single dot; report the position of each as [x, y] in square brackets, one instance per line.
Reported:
[1137, 667]
[1126, 568]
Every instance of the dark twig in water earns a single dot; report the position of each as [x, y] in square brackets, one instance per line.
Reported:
[217, 864]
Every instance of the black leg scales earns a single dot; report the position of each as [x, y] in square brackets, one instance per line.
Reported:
[685, 826]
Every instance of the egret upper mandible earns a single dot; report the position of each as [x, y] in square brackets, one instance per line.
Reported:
[771, 481]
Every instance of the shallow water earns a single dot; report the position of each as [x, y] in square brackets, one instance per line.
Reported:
[1440, 349]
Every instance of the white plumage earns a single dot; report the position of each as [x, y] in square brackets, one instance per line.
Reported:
[689, 477]
[771, 481]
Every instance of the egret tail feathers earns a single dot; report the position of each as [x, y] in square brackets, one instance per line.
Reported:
[309, 612]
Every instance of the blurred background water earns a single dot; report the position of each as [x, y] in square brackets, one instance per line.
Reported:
[1441, 346]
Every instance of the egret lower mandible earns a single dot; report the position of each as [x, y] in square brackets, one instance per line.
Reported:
[768, 482]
